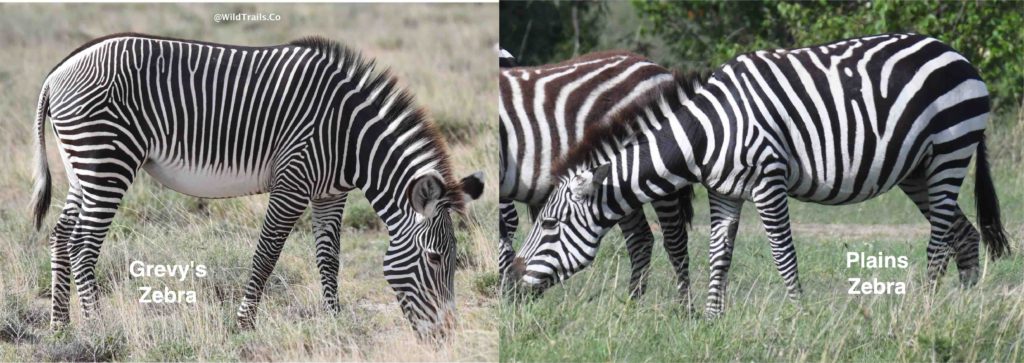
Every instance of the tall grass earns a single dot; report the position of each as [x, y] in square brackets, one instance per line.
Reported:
[437, 52]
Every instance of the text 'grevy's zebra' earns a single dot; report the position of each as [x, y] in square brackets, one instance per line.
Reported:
[832, 124]
[306, 122]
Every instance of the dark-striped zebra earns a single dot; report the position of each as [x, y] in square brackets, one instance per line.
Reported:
[306, 122]
[832, 124]
[545, 111]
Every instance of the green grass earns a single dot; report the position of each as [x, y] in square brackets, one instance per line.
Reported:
[451, 80]
[589, 317]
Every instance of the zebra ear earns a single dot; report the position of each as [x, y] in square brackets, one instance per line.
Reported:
[472, 186]
[505, 59]
[425, 192]
[586, 184]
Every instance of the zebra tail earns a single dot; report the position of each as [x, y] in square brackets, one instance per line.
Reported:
[41, 194]
[686, 205]
[987, 204]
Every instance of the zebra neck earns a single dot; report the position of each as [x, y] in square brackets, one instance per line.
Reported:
[667, 155]
[383, 157]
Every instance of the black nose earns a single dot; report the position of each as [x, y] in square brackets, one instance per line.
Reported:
[517, 270]
[510, 279]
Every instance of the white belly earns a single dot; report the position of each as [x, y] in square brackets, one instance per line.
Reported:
[208, 182]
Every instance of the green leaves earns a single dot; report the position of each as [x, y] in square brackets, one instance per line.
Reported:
[705, 34]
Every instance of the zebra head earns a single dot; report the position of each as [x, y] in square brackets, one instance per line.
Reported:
[565, 236]
[420, 262]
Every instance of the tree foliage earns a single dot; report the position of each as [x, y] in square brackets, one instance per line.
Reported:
[706, 34]
[538, 32]
[693, 35]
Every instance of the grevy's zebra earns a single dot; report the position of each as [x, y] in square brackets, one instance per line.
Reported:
[832, 124]
[306, 121]
[545, 111]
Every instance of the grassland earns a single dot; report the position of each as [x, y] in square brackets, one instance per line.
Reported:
[442, 53]
[590, 319]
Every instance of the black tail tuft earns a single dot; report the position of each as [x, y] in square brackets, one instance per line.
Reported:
[987, 203]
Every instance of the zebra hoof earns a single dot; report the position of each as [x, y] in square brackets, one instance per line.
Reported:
[58, 324]
[712, 314]
[637, 293]
[968, 278]
[246, 322]
[687, 305]
[332, 307]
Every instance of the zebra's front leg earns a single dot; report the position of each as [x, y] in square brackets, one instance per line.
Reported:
[771, 201]
[508, 221]
[725, 221]
[283, 211]
[60, 260]
[639, 242]
[327, 215]
[675, 240]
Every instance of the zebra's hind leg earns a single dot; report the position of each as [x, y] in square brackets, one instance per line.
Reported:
[966, 243]
[772, 203]
[674, 239]
[103, 187]
[327, 215]
[60, 260]
[725, 221]
[283, 211]
[960, 232]
[639, 242]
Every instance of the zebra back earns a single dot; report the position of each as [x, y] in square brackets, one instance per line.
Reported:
[545, 111]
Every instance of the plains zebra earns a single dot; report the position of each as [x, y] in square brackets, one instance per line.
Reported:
[832, 124]
[545, 112]
[306, 121]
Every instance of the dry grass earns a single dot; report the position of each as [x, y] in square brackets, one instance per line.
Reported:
[440, 52]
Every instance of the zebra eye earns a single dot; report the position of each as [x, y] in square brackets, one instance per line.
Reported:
[549, 223]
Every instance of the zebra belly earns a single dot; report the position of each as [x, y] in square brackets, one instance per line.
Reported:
[207, 182]
[840, 191]
[840, 197]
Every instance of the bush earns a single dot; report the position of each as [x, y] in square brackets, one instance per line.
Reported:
[989, 34]
[359, 214]
[692, 35]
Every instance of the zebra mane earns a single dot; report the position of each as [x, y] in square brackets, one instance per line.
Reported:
[401, 102]
[572, 61]
[623, 122]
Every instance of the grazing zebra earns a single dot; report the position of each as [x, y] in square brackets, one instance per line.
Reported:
[545, 111]
[306, 122]
[833, 124]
